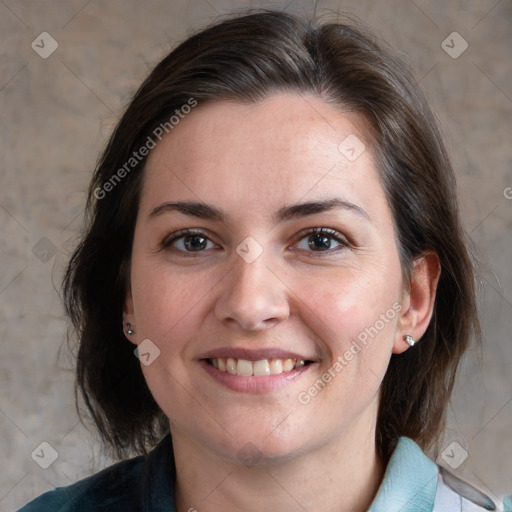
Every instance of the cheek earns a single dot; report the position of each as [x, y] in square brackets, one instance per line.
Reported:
[346, 300]
[352, 315]
[169, 308]
[164, 301]
[354, 320]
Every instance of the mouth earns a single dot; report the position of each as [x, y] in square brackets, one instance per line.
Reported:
[256, 370]
[259, 368]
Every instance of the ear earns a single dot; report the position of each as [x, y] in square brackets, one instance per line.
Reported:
[129, 317]
[418, 300]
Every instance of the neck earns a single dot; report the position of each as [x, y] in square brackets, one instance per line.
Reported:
[340, 476]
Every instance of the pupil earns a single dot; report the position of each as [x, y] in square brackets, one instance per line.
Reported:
[193, 243]
[319, 242]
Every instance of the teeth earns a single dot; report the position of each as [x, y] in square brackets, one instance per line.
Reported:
[246, 368]
[288, 365]
[261, 368]
[276, 366]
[231, 366]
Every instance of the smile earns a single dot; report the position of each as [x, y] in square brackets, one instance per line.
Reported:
[260, 368]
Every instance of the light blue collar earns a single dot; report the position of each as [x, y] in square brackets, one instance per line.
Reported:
[410, 481]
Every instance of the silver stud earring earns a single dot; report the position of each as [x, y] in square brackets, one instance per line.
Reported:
[409, 340]
[129, 329]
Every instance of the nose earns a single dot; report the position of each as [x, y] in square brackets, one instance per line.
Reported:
[252, 297]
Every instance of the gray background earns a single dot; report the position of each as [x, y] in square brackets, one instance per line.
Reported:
[55, 115]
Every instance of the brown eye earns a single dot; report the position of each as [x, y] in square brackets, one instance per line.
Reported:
[318, 242]
[195, 242]
[322, 240]
[187, 241]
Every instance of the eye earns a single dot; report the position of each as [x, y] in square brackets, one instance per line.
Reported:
[188, 240]
[321, 240]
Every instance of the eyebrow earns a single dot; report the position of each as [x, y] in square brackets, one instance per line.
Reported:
[312, 207]
[206, 211]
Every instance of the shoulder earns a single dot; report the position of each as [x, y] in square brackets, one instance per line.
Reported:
[453, 494]
[413, 482]
[141, 484]
[110, 489]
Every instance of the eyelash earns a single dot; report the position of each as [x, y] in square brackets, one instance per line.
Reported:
[328, 232]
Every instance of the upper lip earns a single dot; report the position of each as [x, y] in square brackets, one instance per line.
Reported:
[254, 354]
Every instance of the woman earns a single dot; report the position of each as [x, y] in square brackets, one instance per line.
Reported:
[273, 232]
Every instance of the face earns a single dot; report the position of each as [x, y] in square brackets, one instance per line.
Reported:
[266, 272]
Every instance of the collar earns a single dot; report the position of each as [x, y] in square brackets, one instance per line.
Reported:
[409, 484]
[156, 491]
[410, 481]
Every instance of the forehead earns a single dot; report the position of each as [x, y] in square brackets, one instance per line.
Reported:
[287, 147]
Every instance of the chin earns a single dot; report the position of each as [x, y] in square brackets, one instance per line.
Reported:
[256, 446]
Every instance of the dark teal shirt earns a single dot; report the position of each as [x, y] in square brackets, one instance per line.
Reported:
[412, 483]
[136, 485]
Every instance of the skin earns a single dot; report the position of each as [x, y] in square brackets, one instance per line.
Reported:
[250, 161]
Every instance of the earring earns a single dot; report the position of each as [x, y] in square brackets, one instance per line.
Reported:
[409, 340]
[129, 331]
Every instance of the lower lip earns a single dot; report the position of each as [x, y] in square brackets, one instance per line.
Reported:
[254, 383]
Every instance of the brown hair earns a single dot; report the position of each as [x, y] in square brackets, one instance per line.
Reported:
[246, 59]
